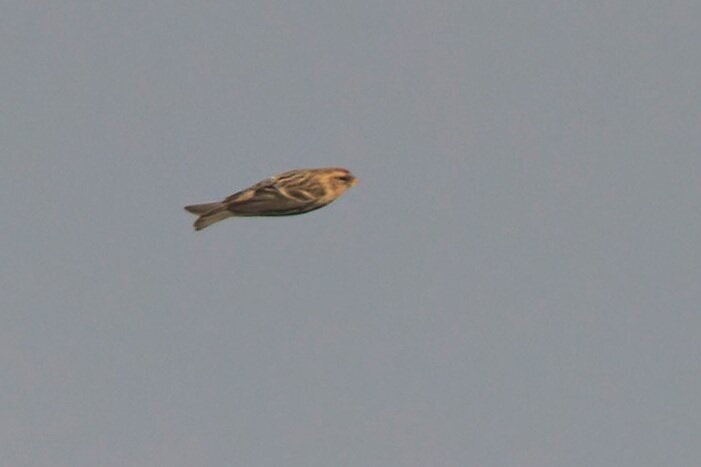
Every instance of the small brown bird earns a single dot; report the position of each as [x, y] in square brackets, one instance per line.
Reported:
[290, 193]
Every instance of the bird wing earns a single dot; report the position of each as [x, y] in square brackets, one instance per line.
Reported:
[267, 198]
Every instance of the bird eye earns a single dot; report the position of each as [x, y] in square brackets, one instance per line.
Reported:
[345, 178]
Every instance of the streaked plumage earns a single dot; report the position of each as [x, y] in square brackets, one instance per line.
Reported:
[290, 193]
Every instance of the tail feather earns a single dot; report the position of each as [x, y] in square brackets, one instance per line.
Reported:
[208, 213]
[200, 209]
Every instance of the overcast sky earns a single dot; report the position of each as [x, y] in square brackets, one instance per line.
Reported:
[515, 280]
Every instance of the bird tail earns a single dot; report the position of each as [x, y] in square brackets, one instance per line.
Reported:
[208, 213]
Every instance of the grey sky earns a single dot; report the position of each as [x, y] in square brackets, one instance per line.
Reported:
[513, 282]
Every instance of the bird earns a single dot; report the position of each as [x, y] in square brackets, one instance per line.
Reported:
[290, 193]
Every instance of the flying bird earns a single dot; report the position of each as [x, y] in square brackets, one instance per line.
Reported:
[290, 193]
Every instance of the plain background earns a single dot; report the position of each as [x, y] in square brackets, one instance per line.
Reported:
[515, 281]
